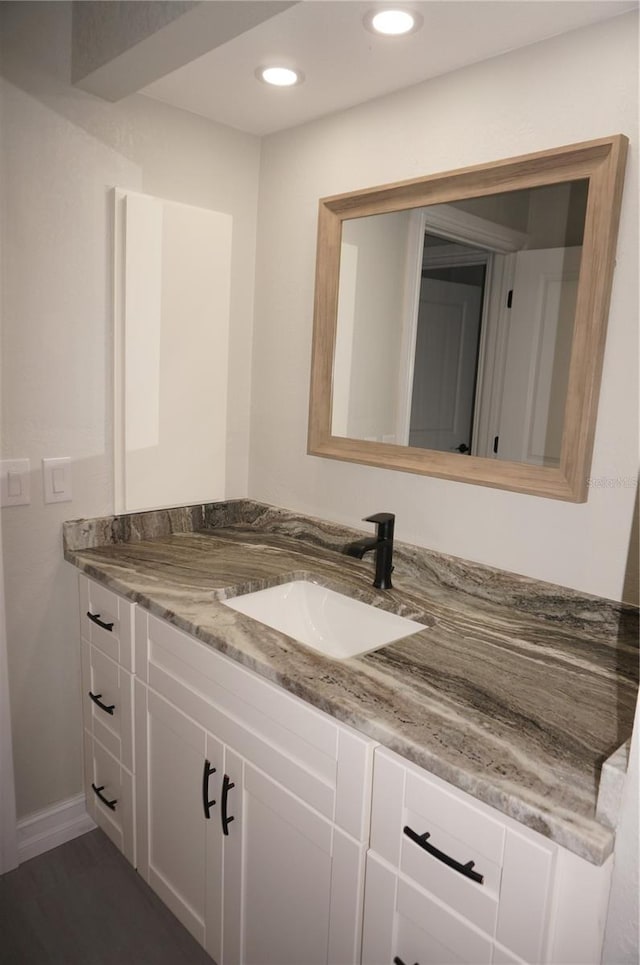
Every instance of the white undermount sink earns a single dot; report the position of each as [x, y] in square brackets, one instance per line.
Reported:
[329, 622]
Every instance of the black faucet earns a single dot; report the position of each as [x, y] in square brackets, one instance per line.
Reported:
[382, 543]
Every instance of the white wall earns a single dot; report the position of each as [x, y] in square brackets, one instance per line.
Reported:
[8, 839]
[62, 151]
[572, 88]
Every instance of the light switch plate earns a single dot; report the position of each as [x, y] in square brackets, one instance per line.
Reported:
[15, 482]
[56, 478]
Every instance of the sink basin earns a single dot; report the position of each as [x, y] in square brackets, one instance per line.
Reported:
[329, 622]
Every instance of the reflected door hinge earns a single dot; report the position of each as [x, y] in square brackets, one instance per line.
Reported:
[510, 299]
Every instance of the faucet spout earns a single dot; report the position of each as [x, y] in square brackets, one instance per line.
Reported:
[359, 547]
[382, 543]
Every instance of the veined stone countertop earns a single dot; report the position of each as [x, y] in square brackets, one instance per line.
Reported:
[517, 691]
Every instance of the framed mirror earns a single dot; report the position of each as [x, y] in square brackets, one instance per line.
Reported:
[460, 320]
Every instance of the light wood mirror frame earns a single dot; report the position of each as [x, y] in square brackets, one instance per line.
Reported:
[600, 161]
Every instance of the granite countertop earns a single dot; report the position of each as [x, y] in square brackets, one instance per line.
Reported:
[517, 691]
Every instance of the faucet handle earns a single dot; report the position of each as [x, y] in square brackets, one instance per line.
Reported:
[380, 518]
[384, 522]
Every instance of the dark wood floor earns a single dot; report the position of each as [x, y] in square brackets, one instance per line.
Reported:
[83, 904]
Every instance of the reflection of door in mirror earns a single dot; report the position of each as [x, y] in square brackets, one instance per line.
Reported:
[446, 358]
[455, 324]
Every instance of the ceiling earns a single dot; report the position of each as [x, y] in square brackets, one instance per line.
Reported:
[344, 64]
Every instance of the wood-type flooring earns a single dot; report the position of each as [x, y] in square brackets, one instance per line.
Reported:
[83, 904]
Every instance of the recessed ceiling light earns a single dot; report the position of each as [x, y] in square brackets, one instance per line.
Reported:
[280, 76]
[393, 22]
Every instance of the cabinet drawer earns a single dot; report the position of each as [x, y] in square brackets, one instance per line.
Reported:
[106, 621]
[426, 932]
[329, 763]
[511, 904]
[109, 794]
[431, 835]
[107, 703]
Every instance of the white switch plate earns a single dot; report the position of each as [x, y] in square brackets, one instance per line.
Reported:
[56, 478]
[15, 482]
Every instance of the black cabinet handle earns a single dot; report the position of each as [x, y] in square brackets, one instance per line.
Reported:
[226, 821]
[464, 869]
[95, 617]
[398, 961]
[110, 804]
[206, 803]
[108, 709]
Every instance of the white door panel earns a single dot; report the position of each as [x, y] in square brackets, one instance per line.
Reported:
[445, 365]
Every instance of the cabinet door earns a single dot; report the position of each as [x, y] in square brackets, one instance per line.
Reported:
[292, 880]
[180, 853]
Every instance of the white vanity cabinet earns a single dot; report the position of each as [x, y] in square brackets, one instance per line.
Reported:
[279, 836]
[253, 808]
[106, 629]
[450, 880]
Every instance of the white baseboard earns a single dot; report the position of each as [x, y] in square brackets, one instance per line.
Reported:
[52, 826]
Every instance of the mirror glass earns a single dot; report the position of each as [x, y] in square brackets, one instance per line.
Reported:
[455, 323]
[460, 320]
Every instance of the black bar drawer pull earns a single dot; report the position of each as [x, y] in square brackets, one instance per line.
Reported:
[108, 709]
[206, 803]
[398, 961]
[95, 617]
[226, 787]
[110, 804]
[464, 869]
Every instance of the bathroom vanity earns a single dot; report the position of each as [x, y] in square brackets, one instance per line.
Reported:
[431, 801]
